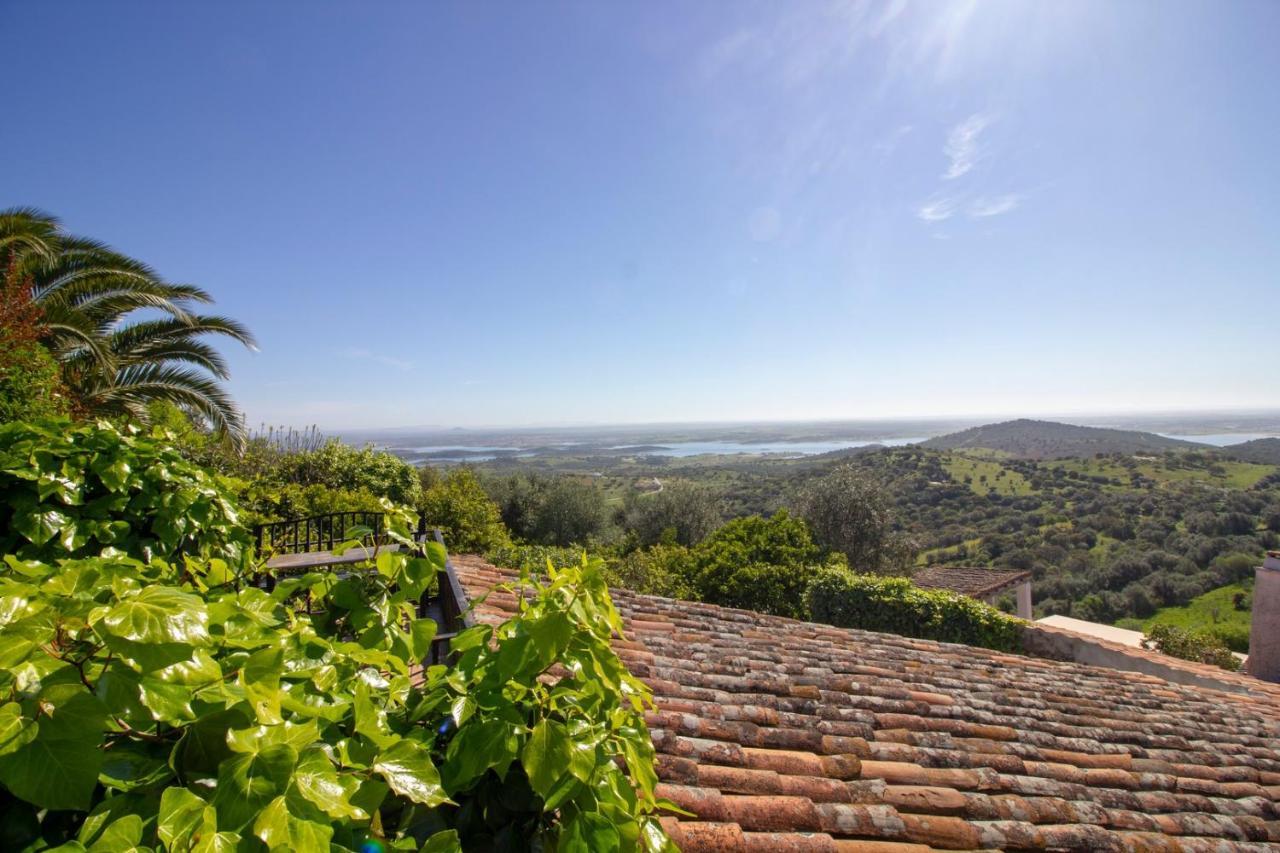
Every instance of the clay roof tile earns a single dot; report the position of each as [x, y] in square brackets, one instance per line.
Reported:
[789, 736]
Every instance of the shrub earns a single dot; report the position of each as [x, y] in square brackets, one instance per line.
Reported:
[680, 514]
[757, 563]
[30, 380]
[1198, 646]
[659, 570]
[569, 512]
[897, 606]
[1234, 637]
[73, 490]
[30, 383]
[340, 466]
[848, 512]
[465, 515]
[263, 502]
[533, 558]
[767, 588]
[563, 510]
[165, 706]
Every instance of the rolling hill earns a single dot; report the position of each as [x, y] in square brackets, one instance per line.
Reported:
[1262, 450]
[1028, 439]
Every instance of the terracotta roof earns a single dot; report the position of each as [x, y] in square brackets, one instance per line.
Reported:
[792, 736]
[973, 582]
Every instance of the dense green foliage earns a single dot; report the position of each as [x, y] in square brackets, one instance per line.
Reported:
[124, 336]
[156, 704]
[167, 702]
[556, 511]
[30, 379]
[754, 563]
[896, 606]
[657, 570]
[680, 514]
[1199, 646]
[562, 735]
[340, 466]
[758, 564]
[283, 474]
[848, 512]
[463, 511]
[570, 511]
[533, 558]
[72, 490]
[30, 383]
[1106, 537]
[1223, 613]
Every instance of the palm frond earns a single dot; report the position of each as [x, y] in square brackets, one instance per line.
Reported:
[116, 364]
[137, 385]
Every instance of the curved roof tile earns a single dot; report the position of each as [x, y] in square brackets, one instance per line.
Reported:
[790, 736]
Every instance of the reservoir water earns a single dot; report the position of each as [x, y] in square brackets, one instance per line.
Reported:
[1223, 439]
[789, 448]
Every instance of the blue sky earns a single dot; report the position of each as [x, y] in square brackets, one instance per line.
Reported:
[577, 213]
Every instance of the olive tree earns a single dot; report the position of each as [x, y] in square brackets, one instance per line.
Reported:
[848, 512]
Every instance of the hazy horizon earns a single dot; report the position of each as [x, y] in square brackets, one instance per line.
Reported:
[1205, 418]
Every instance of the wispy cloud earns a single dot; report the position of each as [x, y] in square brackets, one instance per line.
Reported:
[963, 147]
[889, 142]
[936, 210]
[994, 205]
[364, 354]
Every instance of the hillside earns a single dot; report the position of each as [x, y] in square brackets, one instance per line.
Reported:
[1028, 439]
[1265, 451]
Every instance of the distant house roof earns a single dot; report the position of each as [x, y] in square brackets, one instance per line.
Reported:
[973, 582]
[792, 736]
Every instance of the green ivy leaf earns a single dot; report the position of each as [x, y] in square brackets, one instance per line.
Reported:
[586, 832]
[461, 709]
[54, 774]
[158, 615]
[546, 755]
[442, 842]
[132, 765]
[123, 834]
[113, 472]
[318, 782]
[39, 526]
[204, 744]
[471, 638]
[218, 842]
[480, 745]
[279, 828]
[106, 813]
[260, 678]
[68, 740]
[408, 769]
[182, 816]
[247, 783]
[168, 703]
[421, 633]
[16, 731]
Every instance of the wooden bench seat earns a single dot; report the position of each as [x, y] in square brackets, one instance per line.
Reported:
[322, 559]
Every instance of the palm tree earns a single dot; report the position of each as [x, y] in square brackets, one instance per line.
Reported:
[124, 335]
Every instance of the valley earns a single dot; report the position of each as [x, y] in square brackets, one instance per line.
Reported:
[1114, 524]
